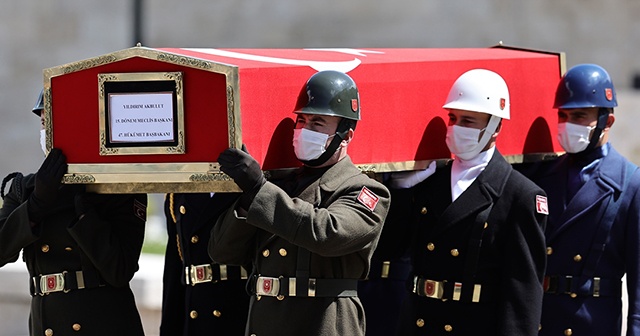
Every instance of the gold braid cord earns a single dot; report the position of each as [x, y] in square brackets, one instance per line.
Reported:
[173, 214]
[175, 221]
[179, 248]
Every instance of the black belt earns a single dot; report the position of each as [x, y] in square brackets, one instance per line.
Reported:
[579, 286]
[60, 282]
[281, 287]
[450, 290]
[196, 274]
[394, 270]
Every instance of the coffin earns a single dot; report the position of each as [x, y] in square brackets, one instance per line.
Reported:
[155, 119]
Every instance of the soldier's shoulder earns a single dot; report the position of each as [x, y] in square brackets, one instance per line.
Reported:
[539, 169]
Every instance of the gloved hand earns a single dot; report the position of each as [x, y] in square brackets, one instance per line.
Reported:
[242, 168]
[47, 183]
[408, 179]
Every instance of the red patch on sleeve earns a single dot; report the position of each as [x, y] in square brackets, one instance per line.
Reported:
[541, 205]
[368, 198]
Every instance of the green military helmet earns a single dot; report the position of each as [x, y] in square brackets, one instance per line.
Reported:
[331, 93]
[39, 106]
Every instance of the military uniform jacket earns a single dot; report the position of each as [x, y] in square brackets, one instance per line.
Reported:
[218, 307]
[497, 217]
[326, 218]
[105, 245]
[384, 290]
[574, 236]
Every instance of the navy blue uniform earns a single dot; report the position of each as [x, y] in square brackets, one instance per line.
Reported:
[199, 296]
[478, 262]
[588, 255]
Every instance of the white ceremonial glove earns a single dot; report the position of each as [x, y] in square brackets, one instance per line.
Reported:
[408, 179]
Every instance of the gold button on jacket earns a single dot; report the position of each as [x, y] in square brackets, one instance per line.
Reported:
[76, 327]
[193, 314]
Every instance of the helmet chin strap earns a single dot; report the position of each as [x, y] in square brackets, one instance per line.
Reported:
[603, 116]
[494, 121]
[341, 133]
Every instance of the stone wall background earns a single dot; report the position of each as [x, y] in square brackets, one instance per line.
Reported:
[38, 34]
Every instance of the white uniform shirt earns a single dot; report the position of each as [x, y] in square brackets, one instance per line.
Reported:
[464, 172]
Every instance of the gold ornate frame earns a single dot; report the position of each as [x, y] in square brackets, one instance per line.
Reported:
[151, 177]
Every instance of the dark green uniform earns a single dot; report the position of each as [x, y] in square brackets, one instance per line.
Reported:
[310, 233]
[91, 260]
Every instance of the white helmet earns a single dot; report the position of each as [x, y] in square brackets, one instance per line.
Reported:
[480, 90]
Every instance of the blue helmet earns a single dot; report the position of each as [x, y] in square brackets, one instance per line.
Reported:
[585, 85]
[39, 106]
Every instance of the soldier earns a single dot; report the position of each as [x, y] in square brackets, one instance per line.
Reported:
[81, 250]
[310, 234]
[384, 290]
[593, 234]
[478, 251]
[199, 297]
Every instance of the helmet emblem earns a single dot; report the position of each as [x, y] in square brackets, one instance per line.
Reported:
[354, 105]
[608, 93]
[503, 103]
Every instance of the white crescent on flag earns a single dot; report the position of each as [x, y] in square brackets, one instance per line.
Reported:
[343, 66]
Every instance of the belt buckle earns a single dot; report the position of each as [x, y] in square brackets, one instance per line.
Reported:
[267, 286]
[51, 283]
[433, 289]
[200, 273]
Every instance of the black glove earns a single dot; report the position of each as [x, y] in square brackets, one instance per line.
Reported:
[47, 183]
[242, 168]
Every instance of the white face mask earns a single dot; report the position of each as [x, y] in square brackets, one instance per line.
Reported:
[574, 138]
[463, 141]
[43, 141]
[308, 144]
